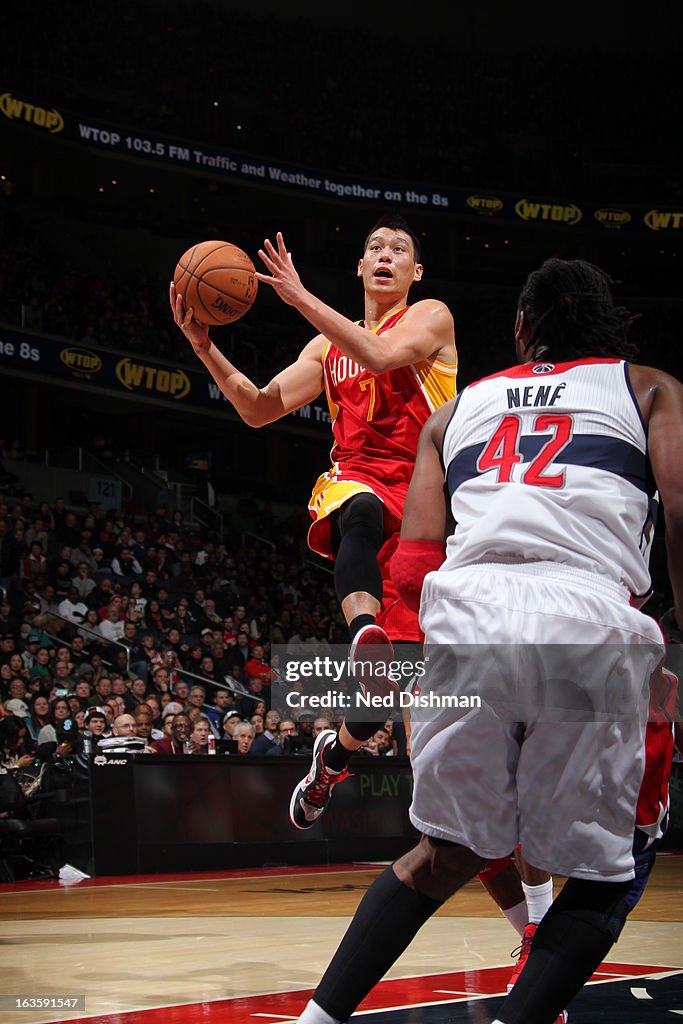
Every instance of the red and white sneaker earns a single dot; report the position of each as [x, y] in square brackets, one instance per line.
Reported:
[369, 655]
[312, 795]
[522, 954]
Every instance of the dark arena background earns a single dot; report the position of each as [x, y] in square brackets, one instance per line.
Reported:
[133, 888]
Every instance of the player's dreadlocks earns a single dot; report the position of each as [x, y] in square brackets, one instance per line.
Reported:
[569, 307]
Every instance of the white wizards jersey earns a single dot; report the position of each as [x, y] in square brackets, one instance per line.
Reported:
[548, 462]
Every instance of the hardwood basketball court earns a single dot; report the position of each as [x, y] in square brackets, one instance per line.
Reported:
[247, 947]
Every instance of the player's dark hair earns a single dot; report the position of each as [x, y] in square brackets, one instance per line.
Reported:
[395, 223]
[569, 308]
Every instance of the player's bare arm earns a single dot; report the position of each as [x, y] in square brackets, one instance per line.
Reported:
[660, 398]
[426, 515]
[296, 385]
[425, 332]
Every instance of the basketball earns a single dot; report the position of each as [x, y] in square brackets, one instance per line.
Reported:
[217, 280]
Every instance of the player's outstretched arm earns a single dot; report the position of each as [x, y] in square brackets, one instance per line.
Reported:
[425, 331]
[293, 387]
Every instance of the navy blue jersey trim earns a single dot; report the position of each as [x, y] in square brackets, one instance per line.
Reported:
[629, 386]
[609, 454]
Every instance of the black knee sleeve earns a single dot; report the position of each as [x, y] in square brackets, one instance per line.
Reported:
[602, 905]
[362, 731]
[388, 917]
[571, 941]
[357, 536]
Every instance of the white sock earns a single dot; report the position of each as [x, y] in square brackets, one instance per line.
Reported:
[314, 1014]
[538, 900]
[518, 916]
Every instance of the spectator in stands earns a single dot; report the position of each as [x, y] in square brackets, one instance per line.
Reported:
[268, 738]
[255, 692]
[259, 727]
[83, 692]
[59, 711]
[207, 668]
[96, 723]
[17, 666]
[144, 724]
[383, 742]
[153, 702]
[181, 691]
[168, 659]
[120, 688]
[257, 665]
[230, 723]
[34, 564]
[143, 655]
[112, 628]
[241, 649]
[197, 696]
[123, 739]
[138, 691]
[320, 725]
[72, 608]
[39, 714]
[85, 673]
[244, 734]
[125, 564]
[223, 702]
[103, 689]
[179, 740]
[41, 664]
[83, 552]
[305, 723]
[83, 582]
[286, 731]
[199, 737]
[37, 533]
[116, 704]
[160, 680]
[91, 625]
[220, 658]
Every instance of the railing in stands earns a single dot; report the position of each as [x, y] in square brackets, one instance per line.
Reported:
[91, 632]
[207, 516]
[238, 690]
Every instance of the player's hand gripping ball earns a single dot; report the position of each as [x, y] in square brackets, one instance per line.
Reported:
[217, 280]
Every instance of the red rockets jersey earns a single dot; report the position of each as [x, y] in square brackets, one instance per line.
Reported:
[377, 418]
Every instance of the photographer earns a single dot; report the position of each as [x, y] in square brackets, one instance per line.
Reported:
[68, 743]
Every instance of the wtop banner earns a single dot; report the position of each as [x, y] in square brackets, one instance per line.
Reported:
[510, 683]
[40, 115]
[133, 376]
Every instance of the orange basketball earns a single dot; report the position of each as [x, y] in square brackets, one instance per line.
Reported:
[217, 280]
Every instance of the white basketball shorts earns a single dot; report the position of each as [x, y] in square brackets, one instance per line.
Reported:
[564, 785]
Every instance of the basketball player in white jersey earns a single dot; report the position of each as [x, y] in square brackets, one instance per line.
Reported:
[549, 469]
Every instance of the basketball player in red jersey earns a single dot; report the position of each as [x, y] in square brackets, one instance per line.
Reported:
[383, 377]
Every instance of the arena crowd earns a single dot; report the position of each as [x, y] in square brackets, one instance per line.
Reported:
[145, 634]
